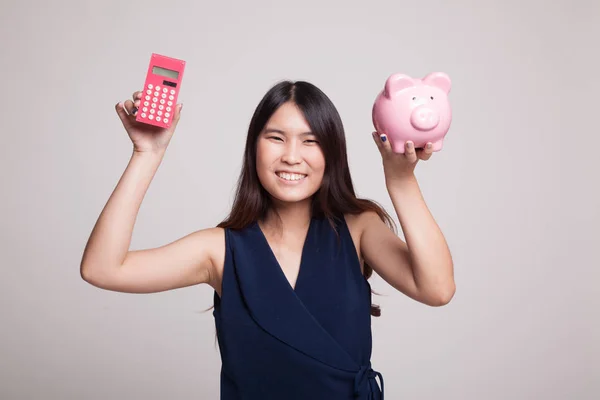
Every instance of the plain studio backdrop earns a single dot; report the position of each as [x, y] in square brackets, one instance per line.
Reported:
[515, 188]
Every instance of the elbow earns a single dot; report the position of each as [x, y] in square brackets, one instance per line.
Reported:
[443, 296]
[438, 295]
[90, 275]
[86, 273]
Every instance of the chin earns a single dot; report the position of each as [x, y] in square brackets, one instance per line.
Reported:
[290, 197]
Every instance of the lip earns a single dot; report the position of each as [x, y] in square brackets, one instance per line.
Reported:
[296, 182]
[285, 171]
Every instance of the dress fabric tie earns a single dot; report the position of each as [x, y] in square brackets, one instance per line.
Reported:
[365, 384]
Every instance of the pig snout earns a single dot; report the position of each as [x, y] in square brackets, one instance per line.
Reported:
[424, 118]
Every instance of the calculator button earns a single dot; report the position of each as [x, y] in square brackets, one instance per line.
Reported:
[169, 103]
[156, 94]
[158, 119]
[162, 101]
[157, 87]
[145, 109]
[171, 98]
[146, 103]
[159, 113]
[154, 99]
[150, 116]
[164, 95]
[148, 91]
[152, 111]
[147, 97]
[143, 115]
[172, 91]
[161, 107]
[165, 90]
[169, 109]
[150, 86]
[167, 115]
[153, 105]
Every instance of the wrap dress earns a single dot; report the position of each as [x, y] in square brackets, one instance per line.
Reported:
[308, 342]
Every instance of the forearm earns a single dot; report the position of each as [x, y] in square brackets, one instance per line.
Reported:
[110, 239]
[431, 260]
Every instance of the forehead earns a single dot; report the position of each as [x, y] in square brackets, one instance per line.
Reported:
[288, 119]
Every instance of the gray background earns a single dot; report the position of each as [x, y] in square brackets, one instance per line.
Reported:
[515, 189]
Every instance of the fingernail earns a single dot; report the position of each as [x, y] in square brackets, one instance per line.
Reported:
[428, 145]
[383, 138]
[410, 144]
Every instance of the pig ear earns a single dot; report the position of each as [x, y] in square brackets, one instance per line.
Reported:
[396, 83]
[440, 80]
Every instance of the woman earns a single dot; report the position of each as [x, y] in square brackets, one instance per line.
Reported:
[289, 266]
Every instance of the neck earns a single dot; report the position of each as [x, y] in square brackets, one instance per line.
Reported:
[288, 217]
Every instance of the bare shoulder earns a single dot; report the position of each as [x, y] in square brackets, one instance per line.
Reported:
[213, 240]
[357, 224]
[217, 256]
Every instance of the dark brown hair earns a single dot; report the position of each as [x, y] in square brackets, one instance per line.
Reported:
[336, 195]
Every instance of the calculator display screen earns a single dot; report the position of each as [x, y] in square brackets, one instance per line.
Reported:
[165, 72]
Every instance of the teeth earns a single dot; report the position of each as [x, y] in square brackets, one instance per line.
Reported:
[290, 177]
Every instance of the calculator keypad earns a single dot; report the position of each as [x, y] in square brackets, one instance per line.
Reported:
[157, 99]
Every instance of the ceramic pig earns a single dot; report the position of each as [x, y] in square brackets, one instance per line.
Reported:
[414, 109]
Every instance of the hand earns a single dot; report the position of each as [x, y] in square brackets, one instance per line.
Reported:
[145, 138]
[399, 166]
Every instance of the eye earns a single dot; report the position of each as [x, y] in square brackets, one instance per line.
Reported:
[414, 98]
[431, 97]
[312, 141]
[274, 137]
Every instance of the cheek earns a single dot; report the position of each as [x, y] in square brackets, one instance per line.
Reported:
[264, 155]
[316, 160]
[266, 159]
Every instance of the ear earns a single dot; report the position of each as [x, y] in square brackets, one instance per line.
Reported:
[396, 83]
[440, 80]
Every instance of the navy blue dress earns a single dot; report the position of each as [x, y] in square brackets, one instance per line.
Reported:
[310, 342]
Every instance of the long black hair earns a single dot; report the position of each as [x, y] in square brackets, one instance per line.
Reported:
[336, 195]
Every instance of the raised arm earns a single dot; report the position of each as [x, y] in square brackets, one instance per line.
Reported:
[107, 261]
[421, 267]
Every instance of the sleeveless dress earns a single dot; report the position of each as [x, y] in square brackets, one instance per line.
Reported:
[310, 342]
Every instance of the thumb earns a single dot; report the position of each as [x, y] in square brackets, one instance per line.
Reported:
[120, 108]
[177, 114]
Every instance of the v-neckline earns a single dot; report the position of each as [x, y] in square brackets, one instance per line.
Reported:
[280, 271]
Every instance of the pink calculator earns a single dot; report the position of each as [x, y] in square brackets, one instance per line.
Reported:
[161, 89]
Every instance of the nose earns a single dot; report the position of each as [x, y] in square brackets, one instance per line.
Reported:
[291, 153]
[424, 118]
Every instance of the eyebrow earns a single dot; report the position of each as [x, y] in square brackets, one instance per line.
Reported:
[274, 130]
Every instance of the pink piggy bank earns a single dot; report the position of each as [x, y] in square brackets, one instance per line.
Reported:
[414, 109]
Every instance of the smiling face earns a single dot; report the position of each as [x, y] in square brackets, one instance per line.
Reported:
[289, 160]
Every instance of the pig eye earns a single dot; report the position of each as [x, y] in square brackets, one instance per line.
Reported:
[414, 98]
[431, 97]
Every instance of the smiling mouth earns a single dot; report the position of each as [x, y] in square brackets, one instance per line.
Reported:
[291, 177]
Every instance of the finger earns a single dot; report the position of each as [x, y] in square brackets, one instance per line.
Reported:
[426, 153]
[176, 115]
[410, 152]
[124, 116]
[137, 97]
[386, 146]
[130, 107]
[377, 141]
[121, 112]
